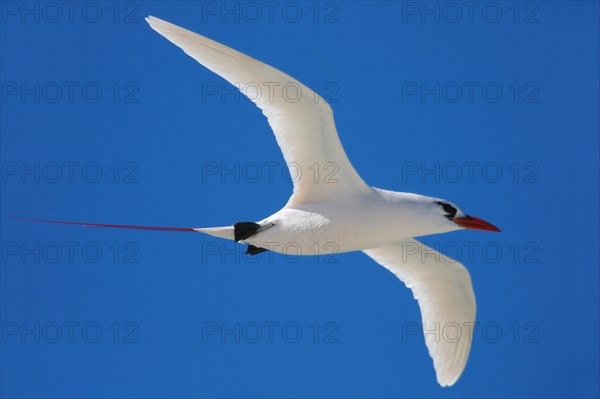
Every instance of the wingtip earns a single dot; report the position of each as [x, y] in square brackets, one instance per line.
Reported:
[447, 374]
[447, 382]
[154, 22]
[448, 377]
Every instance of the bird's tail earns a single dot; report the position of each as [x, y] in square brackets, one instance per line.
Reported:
[227, 232]
[222, 232]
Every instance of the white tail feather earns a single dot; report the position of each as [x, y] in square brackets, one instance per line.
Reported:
[222, 232]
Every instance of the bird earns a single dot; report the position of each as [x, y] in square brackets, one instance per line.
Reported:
[340, 209]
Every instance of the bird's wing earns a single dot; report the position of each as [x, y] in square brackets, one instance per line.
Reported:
[301, 120]
[443, 289]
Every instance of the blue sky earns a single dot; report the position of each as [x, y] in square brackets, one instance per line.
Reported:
[494, 108]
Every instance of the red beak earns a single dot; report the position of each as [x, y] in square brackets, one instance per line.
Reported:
[473, 223]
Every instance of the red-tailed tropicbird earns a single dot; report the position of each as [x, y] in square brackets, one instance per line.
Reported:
[343, 211]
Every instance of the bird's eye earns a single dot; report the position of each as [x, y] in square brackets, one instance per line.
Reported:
[449, 209]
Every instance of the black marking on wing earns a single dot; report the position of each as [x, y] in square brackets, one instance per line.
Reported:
[243, 230]
[252, 250]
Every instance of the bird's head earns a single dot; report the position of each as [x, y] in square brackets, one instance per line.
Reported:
[459, 219]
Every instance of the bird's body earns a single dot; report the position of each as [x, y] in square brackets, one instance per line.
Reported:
[352, 223]
[329, 225]
[337, 211]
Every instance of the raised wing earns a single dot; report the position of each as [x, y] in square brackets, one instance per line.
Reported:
[446, 299]
[301, 120]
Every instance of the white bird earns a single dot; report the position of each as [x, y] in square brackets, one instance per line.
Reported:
[342, 210]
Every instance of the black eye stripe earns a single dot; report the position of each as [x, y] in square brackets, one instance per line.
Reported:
[449, 209]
